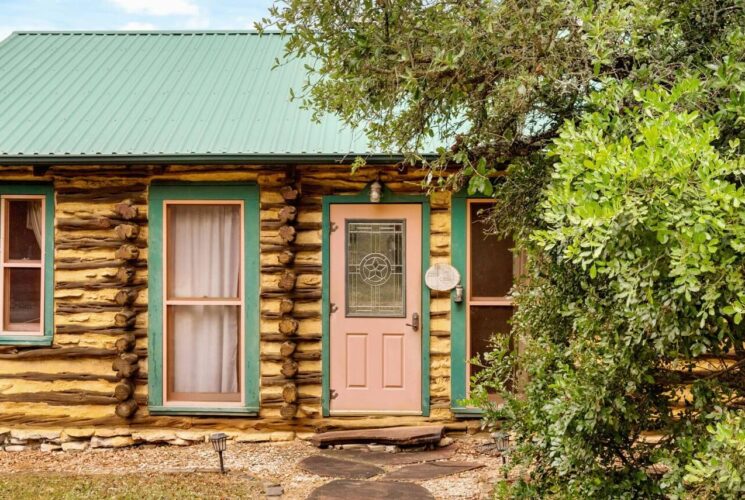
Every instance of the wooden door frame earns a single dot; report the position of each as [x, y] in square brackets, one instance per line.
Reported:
[363, 197]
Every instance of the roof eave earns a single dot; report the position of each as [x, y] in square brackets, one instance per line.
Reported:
[202, 159]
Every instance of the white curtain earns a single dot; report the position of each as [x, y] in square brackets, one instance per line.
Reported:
[204, 262]
[34, 219]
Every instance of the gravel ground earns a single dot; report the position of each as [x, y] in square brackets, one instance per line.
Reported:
[268, 462]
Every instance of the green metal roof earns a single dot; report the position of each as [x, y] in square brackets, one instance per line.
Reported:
[158, 96]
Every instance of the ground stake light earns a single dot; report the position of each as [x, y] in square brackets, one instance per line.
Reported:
[502, 443]
[219, 442]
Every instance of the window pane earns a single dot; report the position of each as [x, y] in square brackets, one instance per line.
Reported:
[487, 322]
[375, 268]
[203, 352]
[22, 299]
[24, 229]
[203, 251]
[491, 259]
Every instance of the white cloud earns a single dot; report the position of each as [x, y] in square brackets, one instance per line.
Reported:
[197, 23]
[159, 7]
[137, 26]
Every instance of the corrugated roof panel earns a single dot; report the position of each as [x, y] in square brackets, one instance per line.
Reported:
[76, 94]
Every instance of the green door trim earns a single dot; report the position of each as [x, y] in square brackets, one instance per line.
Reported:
[458, 361]
[47, 190]
[249, 194]
[363, 197]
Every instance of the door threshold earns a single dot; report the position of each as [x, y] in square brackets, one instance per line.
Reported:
[363, 413]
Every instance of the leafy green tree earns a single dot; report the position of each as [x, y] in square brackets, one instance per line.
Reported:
[619, 126]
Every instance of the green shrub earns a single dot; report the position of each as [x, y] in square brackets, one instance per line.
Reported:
[718, 470]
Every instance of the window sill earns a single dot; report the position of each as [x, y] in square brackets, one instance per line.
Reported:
[202, 411]
[466, 412]
[26, 340]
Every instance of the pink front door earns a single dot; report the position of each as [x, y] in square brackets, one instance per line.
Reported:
[376, 306]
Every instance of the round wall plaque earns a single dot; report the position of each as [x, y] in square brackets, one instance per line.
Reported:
[442, 277]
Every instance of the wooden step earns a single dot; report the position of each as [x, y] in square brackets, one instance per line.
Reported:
[401, 436]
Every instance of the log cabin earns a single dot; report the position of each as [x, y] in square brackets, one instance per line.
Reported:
[184, 249]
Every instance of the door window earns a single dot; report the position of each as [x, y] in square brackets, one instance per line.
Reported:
[375, 263]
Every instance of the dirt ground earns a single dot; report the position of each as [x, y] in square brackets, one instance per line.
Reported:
[257, 464]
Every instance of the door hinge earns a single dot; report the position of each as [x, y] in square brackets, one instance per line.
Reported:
[333, 394]
[333, 308]
[333, 226]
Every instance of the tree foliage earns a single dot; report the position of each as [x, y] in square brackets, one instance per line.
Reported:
[619, 125]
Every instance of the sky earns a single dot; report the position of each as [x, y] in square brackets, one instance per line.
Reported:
[19, 15]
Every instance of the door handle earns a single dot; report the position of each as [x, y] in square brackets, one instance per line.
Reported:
[414, 322]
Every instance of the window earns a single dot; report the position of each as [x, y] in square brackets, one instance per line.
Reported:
[26, 215]
[491, 267]
[487, 266]
[204, 249]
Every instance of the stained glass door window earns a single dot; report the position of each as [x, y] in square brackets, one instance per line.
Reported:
[375, 264]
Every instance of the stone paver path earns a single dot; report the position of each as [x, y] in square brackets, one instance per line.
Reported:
[431, 470]
[335, 467]
[343, 489]
[357, 464]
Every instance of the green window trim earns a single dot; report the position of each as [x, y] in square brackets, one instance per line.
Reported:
[47, 190]
[249, 194]
[362, 197]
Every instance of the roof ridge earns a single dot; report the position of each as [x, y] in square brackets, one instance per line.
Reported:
[147, 32]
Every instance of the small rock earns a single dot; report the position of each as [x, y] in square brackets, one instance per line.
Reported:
[152, 436]
[353, 446]
[47, 447]
[117, 431]
[376, 447]
[472, 428]
[13, 440]
[191, 436]
[33, 435]
[283, 436]
[113, 442]
[15, 447]
[253, 437]
[446, 441]
[273, 490]
[391, 448]
[80, 432]
[75, 446]
[179, 442]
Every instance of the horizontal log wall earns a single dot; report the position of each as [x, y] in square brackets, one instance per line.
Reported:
[101, 297]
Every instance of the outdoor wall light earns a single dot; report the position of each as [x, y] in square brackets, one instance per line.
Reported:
[219, 442]
[458, 298]
[376, 191]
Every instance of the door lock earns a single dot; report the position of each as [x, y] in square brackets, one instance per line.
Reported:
[414, 322]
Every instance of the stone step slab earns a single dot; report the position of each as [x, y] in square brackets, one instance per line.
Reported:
[384, 458]
[400, 436]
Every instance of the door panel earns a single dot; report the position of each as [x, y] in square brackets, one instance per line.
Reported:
[356, 354]
[375, 286]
